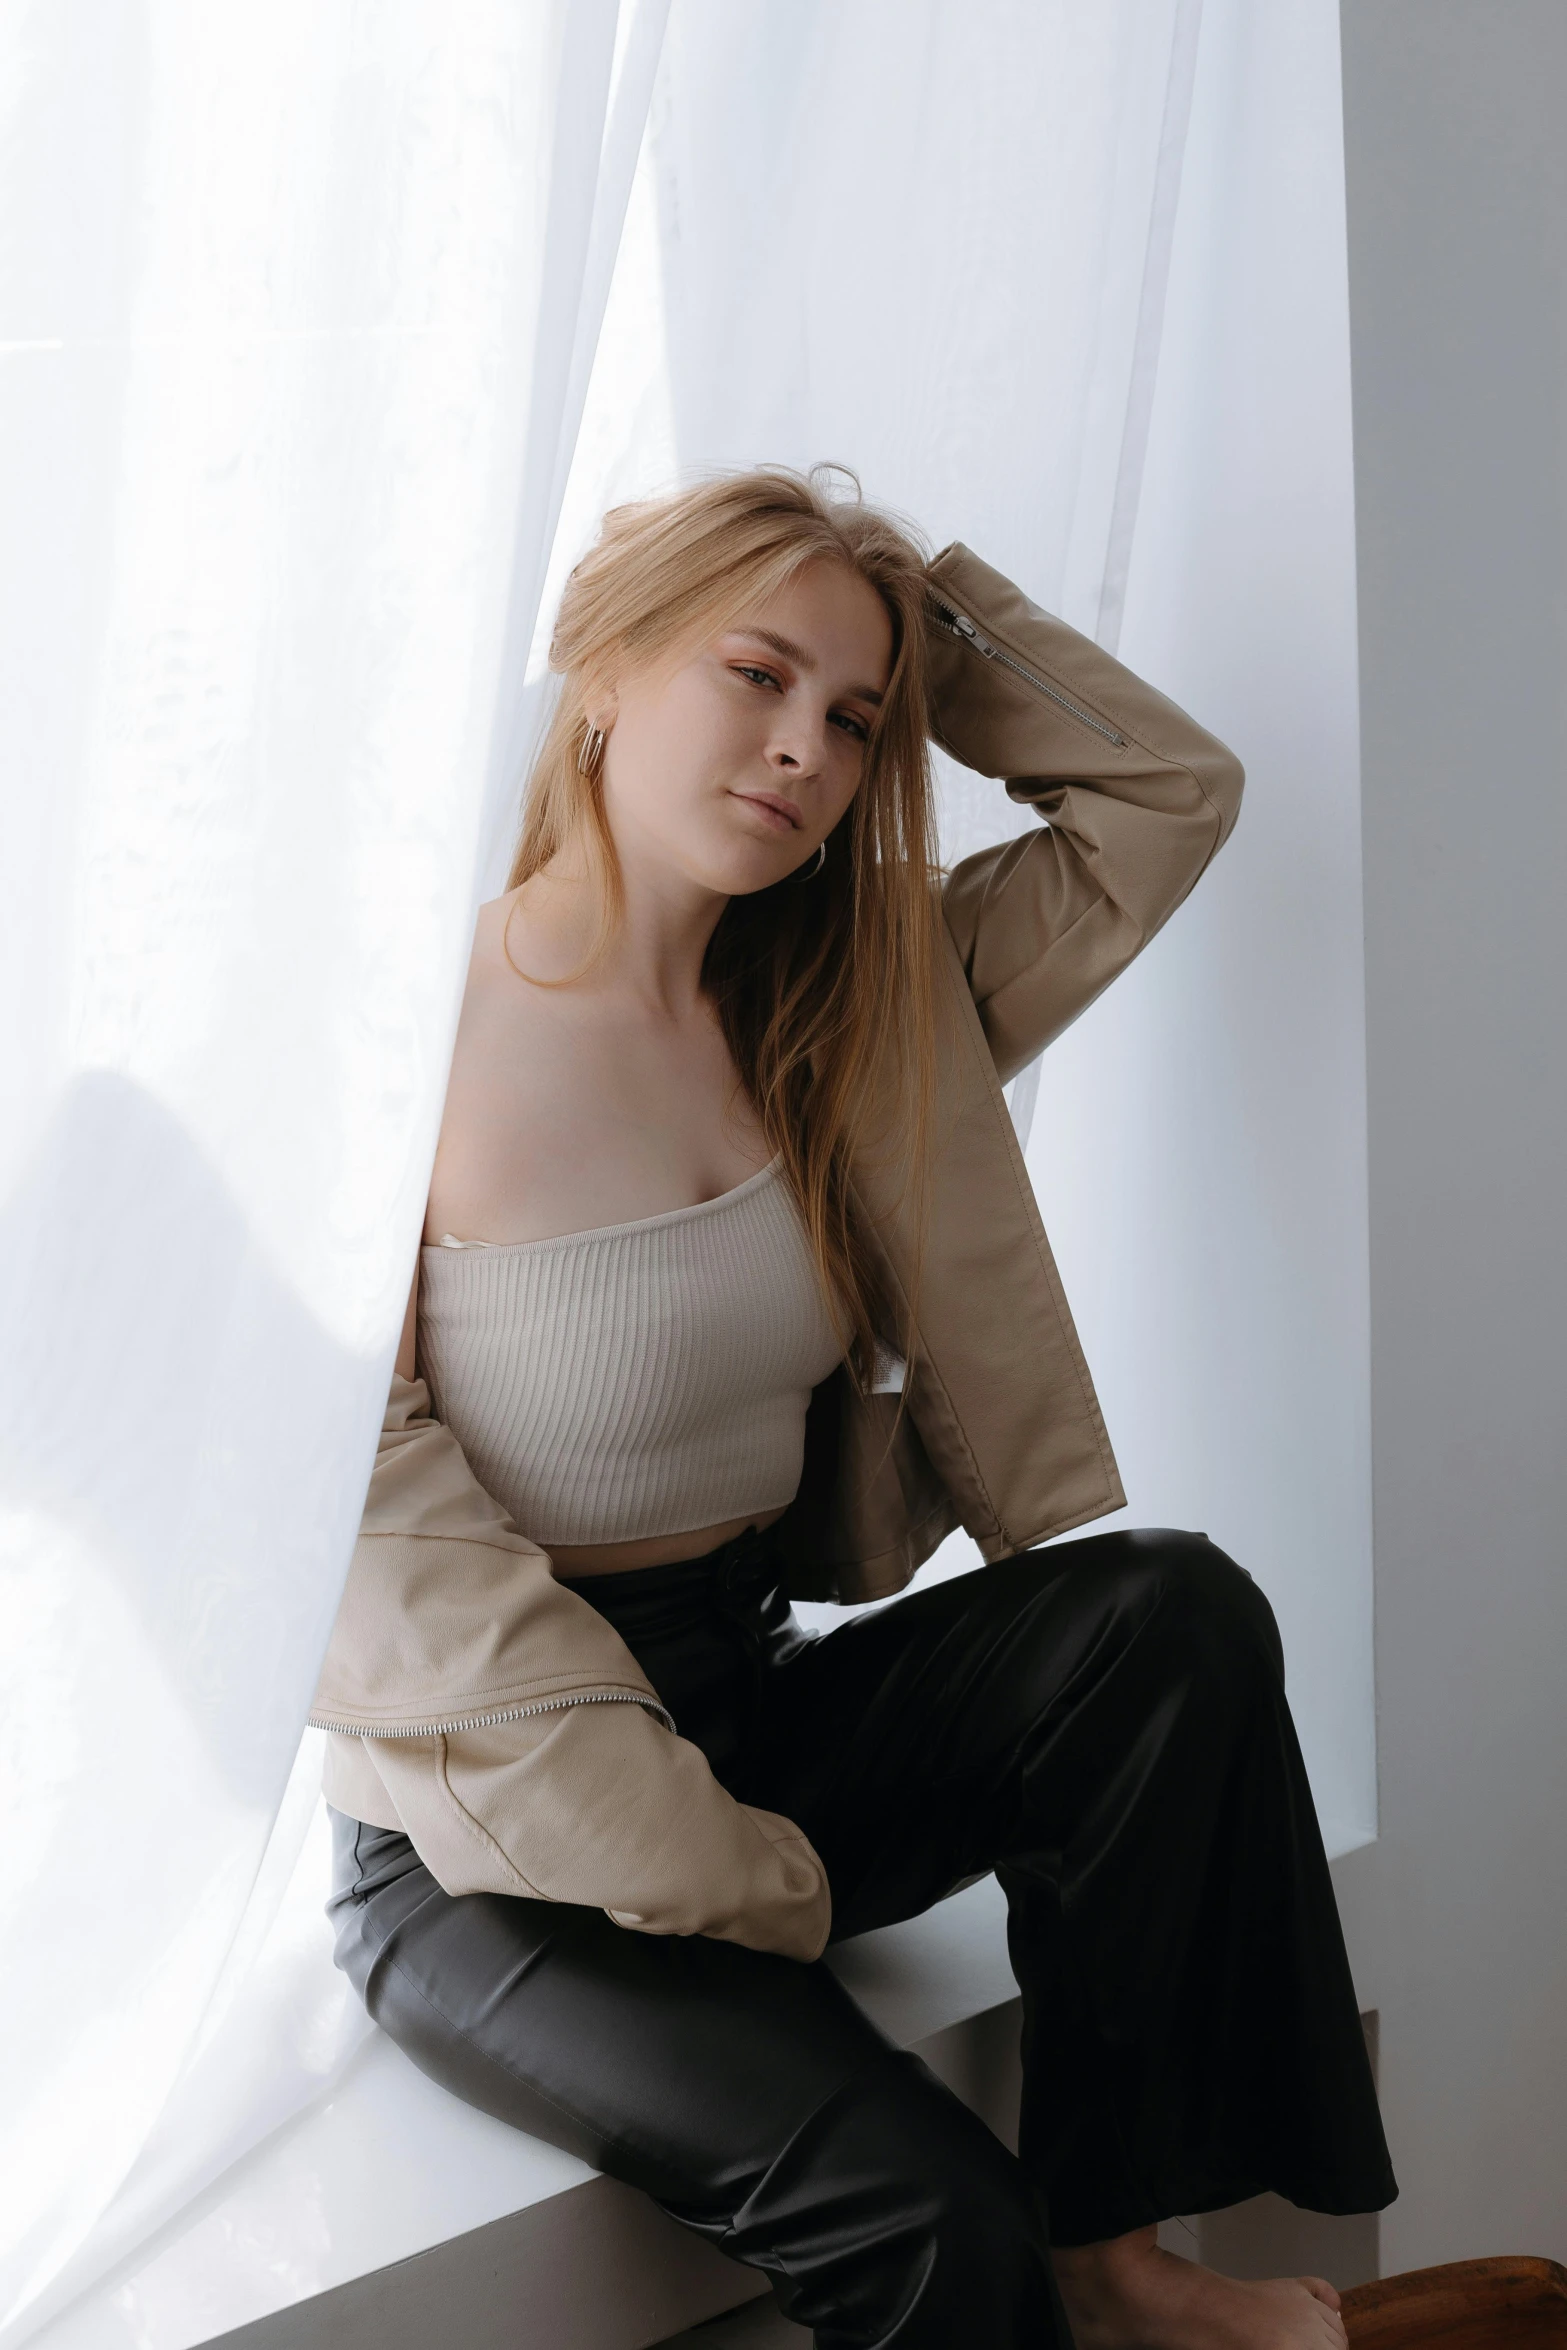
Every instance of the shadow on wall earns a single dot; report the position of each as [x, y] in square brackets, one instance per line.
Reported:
[184, 1449]
[175, 1435]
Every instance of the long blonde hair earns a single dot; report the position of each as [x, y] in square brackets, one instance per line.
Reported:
[816, 983]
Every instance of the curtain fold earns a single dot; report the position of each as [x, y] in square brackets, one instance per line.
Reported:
[325, 336]
[932, 243]
[1066, 279]
[292, 308]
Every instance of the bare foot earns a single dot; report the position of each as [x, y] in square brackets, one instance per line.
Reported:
[1130, 2295]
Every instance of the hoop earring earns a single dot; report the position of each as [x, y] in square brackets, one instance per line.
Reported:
[591, 755]
[809, 872]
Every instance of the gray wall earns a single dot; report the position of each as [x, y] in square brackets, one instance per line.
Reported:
[1457, 180]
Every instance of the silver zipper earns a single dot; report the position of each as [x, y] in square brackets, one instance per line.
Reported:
[958, 624]
[510, 1713]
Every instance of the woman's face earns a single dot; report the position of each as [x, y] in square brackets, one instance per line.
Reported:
[729, 764]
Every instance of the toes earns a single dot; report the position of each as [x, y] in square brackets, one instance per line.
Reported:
[1320, 2290]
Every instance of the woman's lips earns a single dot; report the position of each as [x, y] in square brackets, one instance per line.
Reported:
[778, 811]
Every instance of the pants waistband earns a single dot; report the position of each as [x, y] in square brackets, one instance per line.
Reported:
[736, 1577]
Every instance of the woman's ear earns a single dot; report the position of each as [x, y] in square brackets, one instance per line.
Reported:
[601, 707]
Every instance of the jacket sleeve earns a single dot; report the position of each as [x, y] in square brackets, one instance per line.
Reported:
[522, 1747]
[599, 1804]
[1135, 796]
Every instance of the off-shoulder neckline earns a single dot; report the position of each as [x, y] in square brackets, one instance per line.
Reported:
[448, 1246]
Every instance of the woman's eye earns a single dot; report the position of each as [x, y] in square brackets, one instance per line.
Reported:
[754, 674]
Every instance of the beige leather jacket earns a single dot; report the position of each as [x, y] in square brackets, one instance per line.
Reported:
[495, 1716]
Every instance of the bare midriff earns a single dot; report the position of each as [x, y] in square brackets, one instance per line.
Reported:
[571, 1559]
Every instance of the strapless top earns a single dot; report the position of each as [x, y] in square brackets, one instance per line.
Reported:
[639, 1379]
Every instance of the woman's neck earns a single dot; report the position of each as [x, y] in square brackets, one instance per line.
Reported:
[656, 950]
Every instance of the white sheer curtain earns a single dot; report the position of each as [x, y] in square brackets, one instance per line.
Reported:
[1066, 279]
[294, 349]
[296, 308]
[1200, 1141]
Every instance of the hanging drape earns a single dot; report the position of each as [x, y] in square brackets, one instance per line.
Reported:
[296, 308]
[294, 354]
[1067, 281]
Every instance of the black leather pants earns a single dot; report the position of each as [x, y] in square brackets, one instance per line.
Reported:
[1104, 1724]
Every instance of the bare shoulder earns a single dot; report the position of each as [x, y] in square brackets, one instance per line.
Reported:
[508, 946]
[574, 1101]
[495, 930]
[490, 925]
[539, 930]
[507, 1089]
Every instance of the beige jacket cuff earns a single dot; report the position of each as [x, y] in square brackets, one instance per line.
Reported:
[600, 1805]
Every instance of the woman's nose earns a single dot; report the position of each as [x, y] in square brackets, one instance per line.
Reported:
[799, 747]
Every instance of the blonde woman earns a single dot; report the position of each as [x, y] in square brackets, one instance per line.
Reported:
[733, 1289]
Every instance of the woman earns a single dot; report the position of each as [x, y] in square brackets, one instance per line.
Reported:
[733, 1288]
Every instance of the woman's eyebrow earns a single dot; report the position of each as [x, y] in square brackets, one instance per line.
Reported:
[802, 659]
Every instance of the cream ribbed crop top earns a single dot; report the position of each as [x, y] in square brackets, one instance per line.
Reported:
[644, 1378]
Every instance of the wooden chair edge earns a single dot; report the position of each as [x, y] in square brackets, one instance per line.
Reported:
[1438, 2301]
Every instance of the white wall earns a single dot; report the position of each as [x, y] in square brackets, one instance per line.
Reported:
[1457, 179]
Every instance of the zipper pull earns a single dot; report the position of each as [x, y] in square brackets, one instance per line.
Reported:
[959, 624]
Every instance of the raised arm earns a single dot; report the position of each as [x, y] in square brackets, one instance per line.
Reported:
[1136, 796]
